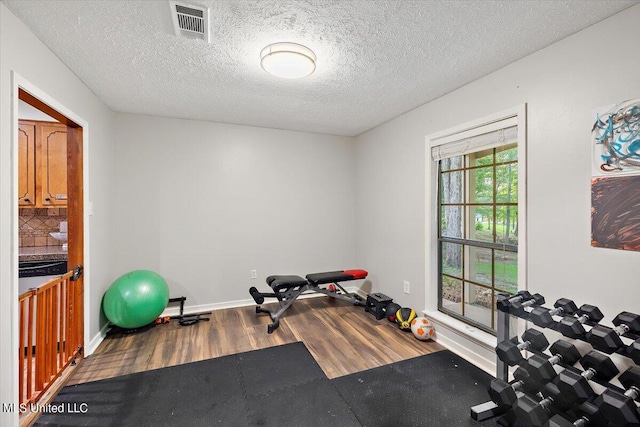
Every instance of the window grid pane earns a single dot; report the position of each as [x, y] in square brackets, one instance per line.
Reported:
[478, 196]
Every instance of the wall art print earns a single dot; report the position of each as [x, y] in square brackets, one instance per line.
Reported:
[616, 140]
[615, 183]
[615, 212]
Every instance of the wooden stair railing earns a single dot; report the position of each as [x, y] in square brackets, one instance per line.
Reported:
[49, 334]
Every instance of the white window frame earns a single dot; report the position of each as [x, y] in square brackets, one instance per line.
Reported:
[431, 215]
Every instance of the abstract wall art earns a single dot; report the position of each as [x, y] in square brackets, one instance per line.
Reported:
[615, 183]
[616, 140]
[615, 212]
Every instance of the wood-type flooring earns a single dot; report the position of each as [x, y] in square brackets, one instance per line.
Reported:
[342, 338]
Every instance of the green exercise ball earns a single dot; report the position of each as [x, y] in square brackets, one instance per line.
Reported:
[136, 299]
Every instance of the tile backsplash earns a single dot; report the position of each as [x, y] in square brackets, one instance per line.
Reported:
[36, 224]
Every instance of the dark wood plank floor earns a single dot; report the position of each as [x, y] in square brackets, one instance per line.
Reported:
[341, 337]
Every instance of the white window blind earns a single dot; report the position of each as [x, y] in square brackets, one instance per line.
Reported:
[492, 135]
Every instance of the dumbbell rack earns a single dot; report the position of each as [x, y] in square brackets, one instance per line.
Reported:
[489, 409]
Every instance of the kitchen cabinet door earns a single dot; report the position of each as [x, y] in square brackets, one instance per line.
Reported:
[27, 164]
[51, 162]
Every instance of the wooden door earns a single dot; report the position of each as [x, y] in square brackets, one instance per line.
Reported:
[68, 160]
[52, 156]
[75, 217]
[26, 164]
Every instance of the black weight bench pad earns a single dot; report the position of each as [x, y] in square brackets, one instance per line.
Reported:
[280, 283]
[336, 276]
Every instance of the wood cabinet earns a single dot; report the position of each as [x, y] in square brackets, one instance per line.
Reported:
[42, 164]
[51, 162]
[27, 164]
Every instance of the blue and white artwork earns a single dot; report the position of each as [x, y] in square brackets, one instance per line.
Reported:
[616, 140]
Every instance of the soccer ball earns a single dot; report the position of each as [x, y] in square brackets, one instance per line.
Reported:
[422, 329]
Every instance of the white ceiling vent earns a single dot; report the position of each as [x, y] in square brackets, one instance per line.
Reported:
[190, 20]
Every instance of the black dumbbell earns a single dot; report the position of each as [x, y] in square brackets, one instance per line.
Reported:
[517, 303]
[589, 416]
[517, 307]
[530, 412]
[620, 408]
[575, 386]
[504, 303]
[607, 339]
[633, 351]
[559, 421]
[572, 327]
[505, 394]
[509, 351]
[543, 317]
[541, 368]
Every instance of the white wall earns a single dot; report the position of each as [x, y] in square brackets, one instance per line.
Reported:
[562, 85]
[22, 52]
[204, 203]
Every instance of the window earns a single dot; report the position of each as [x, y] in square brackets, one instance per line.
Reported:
[478, 225]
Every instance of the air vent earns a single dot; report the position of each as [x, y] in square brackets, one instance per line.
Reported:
[190, 20]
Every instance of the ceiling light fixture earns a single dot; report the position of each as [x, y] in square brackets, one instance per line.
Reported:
[288, 60]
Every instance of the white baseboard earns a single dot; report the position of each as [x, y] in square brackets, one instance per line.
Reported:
[96, 340]
[189, 309]
[473, 345]
[357, 291]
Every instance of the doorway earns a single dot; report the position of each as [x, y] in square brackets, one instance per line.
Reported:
[51, 316]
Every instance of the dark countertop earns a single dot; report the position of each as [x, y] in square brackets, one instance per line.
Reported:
[41, 253]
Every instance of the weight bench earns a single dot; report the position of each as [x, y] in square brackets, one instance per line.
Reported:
[286, 289]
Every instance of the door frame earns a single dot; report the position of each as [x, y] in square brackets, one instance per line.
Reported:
[30, 93]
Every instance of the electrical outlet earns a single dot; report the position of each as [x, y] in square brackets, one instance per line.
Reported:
[254, 274]
[407, 287]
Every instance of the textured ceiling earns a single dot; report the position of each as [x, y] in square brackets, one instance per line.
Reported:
[376, 59]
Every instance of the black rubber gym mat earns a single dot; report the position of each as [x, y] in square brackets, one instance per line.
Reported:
[438, 389]
[277, 386]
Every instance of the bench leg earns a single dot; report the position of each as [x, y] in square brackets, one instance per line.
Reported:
[273, 326]
[286, 299]
[344, 296]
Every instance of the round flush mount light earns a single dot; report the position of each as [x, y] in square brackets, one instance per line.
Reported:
[288, 60]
